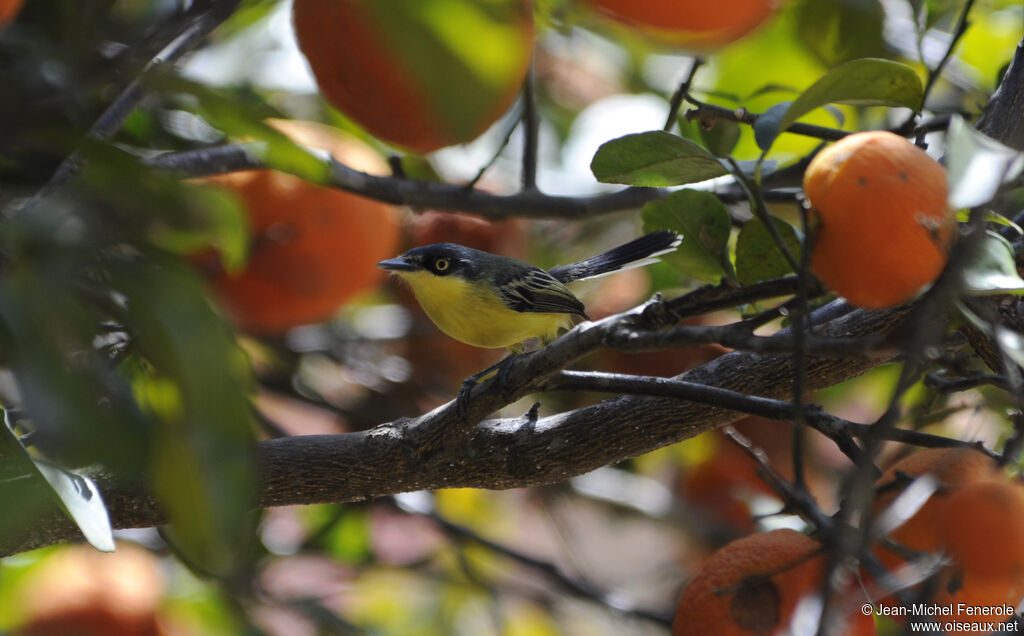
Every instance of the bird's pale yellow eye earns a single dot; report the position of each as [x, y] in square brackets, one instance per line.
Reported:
[442, 265]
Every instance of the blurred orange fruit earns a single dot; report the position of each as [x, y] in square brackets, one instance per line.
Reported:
[498, 237]
[976, 518]
[81, 592]
[952, 468]
[883, 225]
[983, 531]
[692, 22]
[8, 9]
[753, 585]
[313, 248]
[416, 74]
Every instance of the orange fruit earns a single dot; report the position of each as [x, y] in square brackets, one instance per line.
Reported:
[313, 248]
[420, 75]
[78, 591]
[952, 468]
[984, 529]
[983, 532]
[882, 223]
[976, 518]
[8, 9]
[753, 585]
[692, 22]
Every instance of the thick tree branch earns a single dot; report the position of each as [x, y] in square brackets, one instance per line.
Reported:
[418, 194]
[440, 450]
[1002, 116]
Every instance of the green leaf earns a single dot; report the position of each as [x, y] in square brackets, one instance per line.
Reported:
[757, 256]
[767, 126]
[76, 493]
[195, 382]
[837, 32]
[1011, 342]
[994, 270]
[721, 138]
[654, 159]
[991, 216]
[246, 121]
[218, 218]
[865, 82]
[82, 502]
[977, 165]
[704, 223]
[181, 217]
[246, 16]
[49, 337]
[475, 50]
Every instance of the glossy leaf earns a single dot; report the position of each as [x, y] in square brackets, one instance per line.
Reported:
[654, 159]
[767, 126]
[994, 270]
[977, 165]
[82, 502]
[76, 493]
[704, 224]
[865, 82]
[757, 256]
[721, 138]
[1012, 342]
[244, 121]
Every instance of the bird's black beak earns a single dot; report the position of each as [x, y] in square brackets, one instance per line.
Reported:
[398, 264]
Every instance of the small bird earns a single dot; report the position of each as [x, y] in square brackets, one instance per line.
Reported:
[493, 301]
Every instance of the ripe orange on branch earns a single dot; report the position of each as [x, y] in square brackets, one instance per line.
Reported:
[695, 23]
[883, 226]
[754, 584]
[421, 75]
[313, 248]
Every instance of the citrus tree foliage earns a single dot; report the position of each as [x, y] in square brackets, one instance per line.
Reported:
[133, 400]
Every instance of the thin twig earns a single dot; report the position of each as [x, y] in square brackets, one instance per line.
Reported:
[682, 91]
[471, 184]
[934, 73]
[579, 588]
[531, 127]
[117, 112]
[794, 497]
[707, 112]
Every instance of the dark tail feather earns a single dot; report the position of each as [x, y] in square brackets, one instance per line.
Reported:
[636, 253]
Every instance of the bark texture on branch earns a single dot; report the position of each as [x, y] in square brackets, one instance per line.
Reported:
[438, 450]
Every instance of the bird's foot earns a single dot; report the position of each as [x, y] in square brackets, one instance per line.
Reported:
[496, 372]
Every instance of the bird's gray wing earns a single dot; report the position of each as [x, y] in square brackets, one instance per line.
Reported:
[534, 290]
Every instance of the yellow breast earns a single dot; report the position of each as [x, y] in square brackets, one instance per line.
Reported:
[474, 314]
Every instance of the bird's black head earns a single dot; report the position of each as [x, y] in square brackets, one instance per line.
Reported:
[440, 259]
